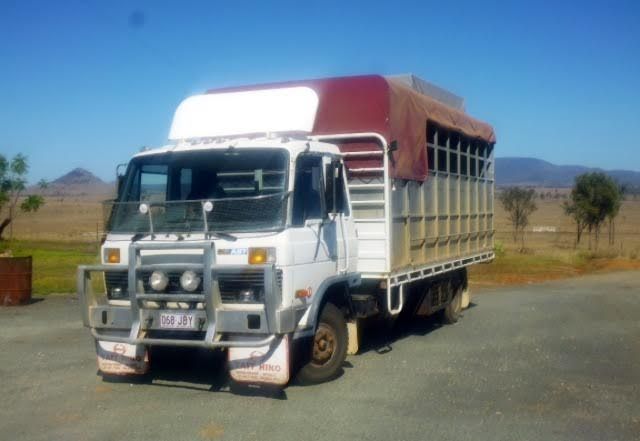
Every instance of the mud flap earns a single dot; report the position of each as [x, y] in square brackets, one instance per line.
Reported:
[263, 365]
[122, 358]
[354, 338]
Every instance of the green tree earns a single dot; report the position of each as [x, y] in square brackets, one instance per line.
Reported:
[615, 210]
[595, 197]
[519, 204]
[13, 183]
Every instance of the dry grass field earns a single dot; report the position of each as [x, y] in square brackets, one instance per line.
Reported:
[67, 230]
[76, 218]
[80, 218]
[550, 216]
[551, 253]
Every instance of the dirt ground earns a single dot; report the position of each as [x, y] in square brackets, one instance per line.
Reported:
[519, 269]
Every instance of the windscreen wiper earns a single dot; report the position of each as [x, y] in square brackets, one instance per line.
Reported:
[136, 237]
[224, 236]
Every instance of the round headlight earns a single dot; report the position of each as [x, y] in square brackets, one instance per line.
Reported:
[246, 296]
[158, 281]
[189, 281]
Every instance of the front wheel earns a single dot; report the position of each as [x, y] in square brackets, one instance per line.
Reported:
[329, 347]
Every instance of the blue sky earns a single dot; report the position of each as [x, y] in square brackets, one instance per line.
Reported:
[86, 84]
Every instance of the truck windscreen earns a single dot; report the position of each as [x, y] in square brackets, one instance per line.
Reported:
[246, 188]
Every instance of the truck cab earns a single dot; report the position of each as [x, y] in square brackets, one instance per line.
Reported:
[270, 215]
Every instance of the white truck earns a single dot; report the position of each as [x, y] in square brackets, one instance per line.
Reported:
[280, 216]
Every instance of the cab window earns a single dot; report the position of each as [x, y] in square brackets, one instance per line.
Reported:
[153, 183]
[307, 195]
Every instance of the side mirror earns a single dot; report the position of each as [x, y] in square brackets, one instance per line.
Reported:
[119, 183]
[120, 171]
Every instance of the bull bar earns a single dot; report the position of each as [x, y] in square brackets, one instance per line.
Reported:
[139, 319]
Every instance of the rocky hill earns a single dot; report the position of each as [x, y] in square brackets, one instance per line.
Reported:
[79, 182]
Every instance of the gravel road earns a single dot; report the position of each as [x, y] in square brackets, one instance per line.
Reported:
[553, 361]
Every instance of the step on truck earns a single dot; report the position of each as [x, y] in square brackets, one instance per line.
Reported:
[280, 217]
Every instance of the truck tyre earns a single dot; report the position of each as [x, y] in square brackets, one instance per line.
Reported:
[452, 312]
[329, 347]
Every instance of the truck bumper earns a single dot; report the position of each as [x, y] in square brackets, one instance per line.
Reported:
[108, 322]
[133, 322]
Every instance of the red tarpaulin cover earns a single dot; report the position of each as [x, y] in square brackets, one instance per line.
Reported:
[372, 103]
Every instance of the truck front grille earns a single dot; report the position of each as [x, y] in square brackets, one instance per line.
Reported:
[232, 283]
[116, 283]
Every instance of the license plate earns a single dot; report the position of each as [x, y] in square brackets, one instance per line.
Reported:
[177, 321]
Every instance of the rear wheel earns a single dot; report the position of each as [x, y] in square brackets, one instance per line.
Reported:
[329, 347]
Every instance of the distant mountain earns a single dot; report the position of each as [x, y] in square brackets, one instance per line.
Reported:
[78, 176]
[78, 182]
[530, 172]
[538, 173]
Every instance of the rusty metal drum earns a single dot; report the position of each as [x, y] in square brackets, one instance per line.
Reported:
[15, 280]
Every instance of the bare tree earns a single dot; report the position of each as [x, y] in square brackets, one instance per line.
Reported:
[519, 204]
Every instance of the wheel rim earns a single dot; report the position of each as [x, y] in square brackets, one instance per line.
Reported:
[324, 345]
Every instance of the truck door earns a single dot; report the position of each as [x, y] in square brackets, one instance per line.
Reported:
[312, 236]
[321, 224]
[339, 214]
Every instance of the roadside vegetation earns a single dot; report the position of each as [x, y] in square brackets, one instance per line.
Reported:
[538, 237]
[13, 184]
[54, 263]
[518, 203]
[66, 232]
[512, 267]
[595, 200]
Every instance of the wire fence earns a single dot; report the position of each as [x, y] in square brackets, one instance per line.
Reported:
[623, 242]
